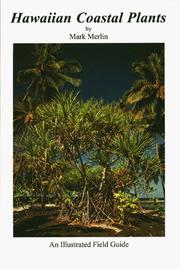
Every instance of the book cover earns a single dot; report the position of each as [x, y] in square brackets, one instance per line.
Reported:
[88, 134]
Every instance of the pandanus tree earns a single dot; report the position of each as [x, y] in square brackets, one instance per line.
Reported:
[38, 154]
[111, 125]
[72, 123]
[135, 150]
[75, 150]
[84, 132]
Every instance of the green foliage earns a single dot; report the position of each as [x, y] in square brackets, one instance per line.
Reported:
[146, 96]
[72, 180]
[72, 144]
[159, 208]
[134, 144]
[126, 204]
[160, 211]
[81, 152]
[23, 195]
[49, 73]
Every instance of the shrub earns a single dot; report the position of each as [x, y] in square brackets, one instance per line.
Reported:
[126, 204]
[23, 196]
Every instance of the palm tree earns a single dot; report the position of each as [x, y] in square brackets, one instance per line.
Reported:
[146, 99]
[44, 80]
[146, 96]
[48, 73]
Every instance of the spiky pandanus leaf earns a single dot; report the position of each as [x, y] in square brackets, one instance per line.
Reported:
[133, 143]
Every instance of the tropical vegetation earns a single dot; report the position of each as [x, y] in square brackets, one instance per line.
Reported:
[90, 158]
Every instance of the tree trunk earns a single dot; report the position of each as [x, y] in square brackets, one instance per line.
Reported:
[161, 173]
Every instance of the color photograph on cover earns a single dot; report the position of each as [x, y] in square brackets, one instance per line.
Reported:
[89, 140]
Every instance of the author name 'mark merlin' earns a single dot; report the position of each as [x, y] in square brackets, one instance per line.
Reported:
[88, 36]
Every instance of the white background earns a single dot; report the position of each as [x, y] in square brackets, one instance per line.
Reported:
[142, 252]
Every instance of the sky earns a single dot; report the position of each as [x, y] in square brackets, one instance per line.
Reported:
[106, 68]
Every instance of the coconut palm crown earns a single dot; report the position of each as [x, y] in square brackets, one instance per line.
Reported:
[146, 96]
[48, 73]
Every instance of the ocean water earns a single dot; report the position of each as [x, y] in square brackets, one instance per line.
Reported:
[156, 193]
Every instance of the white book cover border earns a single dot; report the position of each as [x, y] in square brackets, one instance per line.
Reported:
[142, 252]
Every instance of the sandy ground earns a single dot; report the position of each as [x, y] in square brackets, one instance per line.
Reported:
[45, 224]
